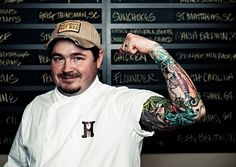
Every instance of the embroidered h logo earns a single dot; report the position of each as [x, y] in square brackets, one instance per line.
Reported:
[88, 129]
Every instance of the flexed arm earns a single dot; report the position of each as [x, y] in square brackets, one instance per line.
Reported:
[184, 106]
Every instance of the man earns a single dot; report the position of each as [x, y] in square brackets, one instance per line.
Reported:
[84, 123]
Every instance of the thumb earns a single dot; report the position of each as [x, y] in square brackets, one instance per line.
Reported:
[133, 50]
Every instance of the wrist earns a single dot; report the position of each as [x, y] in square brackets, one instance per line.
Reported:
[155, 52]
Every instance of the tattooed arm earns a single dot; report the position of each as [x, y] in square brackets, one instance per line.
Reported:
[184, 107]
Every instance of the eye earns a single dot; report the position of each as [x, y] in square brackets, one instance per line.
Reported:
[57, 58]
[78, 58]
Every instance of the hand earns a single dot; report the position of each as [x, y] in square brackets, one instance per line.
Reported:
[135, 43]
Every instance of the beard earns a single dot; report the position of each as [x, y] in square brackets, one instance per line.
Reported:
[69, 91]
[66, 88]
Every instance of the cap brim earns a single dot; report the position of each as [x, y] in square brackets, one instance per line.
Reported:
[80, 42]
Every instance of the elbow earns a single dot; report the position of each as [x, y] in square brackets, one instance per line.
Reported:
[201, 110]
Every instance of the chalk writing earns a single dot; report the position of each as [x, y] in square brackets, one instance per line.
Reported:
[8, 98]
[14, 54]
[227, 116]
[124, 57]
[46, 78]
[153, 142]
[129, 78]
[206, 35]
[144, 31]
[13, 1]
[203, 137]
[8, 11]
[205, 56]
[218, 96]
[12, 120]
[44, 59]
[165, 15]
[8, 78]
[9, 16]
[133, 17]
[176, 35]
[208, 77]
[12, 58]
[44, 37]
[218, 118]
[180, 56]
[204, 16]
[34, 36]
[8, 62]
[49, 15]
[4, 36]
[161, 39]
[6, 140]
[160, 35]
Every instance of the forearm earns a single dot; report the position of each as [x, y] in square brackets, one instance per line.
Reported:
[181, 89]
[184, 105]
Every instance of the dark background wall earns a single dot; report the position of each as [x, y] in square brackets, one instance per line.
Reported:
[199, 34]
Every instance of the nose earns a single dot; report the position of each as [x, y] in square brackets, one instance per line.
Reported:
[68, 66]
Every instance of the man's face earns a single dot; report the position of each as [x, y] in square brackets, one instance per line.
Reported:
[73, 68]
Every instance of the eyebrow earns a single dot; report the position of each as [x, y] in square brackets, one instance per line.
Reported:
[72, 54]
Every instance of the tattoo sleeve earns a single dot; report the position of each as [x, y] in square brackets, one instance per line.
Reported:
[184, 107]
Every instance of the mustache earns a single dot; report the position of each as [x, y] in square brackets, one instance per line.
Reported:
[65, 75]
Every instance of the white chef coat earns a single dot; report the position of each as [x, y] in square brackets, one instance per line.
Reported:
[98, 128]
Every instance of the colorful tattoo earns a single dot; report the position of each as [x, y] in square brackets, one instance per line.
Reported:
[184, 107]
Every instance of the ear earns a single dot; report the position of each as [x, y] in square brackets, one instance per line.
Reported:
[100, 58]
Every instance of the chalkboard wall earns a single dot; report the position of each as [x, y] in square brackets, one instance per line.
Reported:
[199, 34]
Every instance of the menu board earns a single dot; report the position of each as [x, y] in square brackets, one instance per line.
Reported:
[199, 34]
